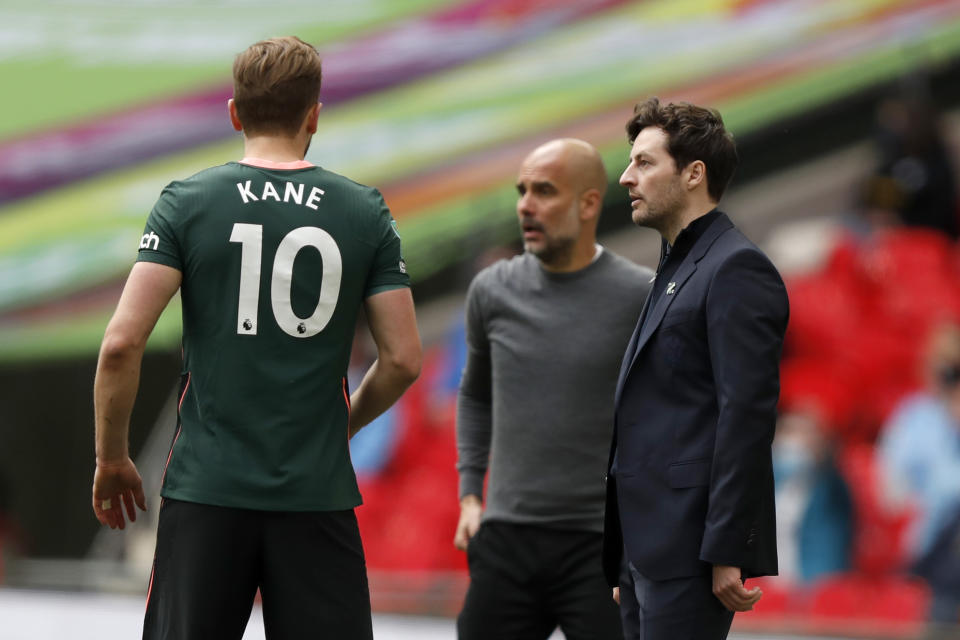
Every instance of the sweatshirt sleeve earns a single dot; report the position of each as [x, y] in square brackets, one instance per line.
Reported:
[474, 411]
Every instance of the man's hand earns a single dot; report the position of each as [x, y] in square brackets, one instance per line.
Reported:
[113, 483]
[616, 595]
[471, 508]
[729, 589]
[147, 291]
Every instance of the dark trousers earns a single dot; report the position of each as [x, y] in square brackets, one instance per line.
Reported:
[210, 561]
[677, 609]
[526, 580]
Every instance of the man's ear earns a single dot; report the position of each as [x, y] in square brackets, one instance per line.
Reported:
[312, 114]
[234, 118]
[591, 202]
[696, 174]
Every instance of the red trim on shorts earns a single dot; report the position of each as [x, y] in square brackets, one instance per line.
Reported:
[153, 570]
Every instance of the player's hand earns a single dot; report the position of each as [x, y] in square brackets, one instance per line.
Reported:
[471, 508]
[729, 589]
[616, 595]
[117, 485]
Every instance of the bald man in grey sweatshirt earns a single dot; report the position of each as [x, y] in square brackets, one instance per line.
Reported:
[546, 332]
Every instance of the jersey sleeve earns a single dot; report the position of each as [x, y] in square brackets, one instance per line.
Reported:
[160, 242]
[389, 271]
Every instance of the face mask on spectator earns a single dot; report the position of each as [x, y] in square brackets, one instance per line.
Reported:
[949, 375]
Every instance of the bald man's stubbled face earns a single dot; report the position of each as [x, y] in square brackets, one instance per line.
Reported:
[548, 208]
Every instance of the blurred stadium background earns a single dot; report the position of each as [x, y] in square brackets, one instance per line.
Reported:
[436, 102]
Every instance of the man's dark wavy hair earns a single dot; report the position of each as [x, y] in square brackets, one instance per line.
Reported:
[693, 133]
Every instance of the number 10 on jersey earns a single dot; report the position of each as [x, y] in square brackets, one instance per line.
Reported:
[250, 237]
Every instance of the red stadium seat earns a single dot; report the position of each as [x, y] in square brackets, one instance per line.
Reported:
[777, 599]
[411, 509]
[862, 322]
[841, 597]
[879, 535]
[890, 598]
[813, 383]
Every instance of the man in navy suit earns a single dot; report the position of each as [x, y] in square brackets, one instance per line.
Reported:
[690, 511]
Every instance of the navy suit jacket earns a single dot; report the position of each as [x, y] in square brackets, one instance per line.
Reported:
[695, 412]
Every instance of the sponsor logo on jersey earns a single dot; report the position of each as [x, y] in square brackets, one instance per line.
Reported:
[150, 239]
[403, 267]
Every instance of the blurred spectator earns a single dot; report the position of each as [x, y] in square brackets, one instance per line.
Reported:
[814, 507]
[920, 454]
[912, 153]
[940, 567]
[880, 199]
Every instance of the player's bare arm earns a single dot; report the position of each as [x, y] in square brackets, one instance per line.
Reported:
[116, 480]
[393, 324]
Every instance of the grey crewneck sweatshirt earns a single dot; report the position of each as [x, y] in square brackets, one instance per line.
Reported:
[536, 397]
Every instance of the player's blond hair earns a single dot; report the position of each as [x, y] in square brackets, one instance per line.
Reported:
[275, 82]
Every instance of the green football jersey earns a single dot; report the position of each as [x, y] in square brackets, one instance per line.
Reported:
[276, 264]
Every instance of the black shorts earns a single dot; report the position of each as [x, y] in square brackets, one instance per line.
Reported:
[525, 581]
[210, 561]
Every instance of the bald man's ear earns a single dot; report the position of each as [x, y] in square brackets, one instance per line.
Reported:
[591, 202]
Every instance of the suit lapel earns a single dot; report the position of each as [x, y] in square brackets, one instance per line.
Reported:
[684, 271]
[648, 324]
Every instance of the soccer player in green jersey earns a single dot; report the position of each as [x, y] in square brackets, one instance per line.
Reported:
[274, 258]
